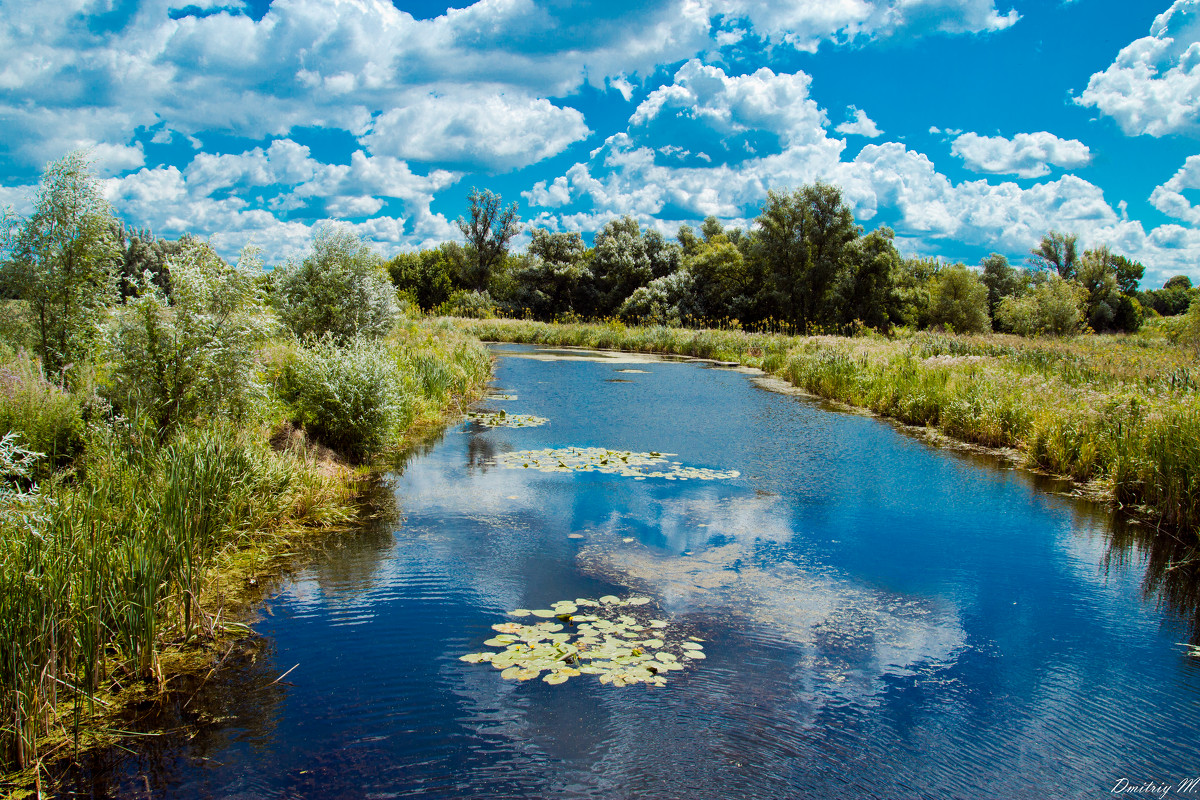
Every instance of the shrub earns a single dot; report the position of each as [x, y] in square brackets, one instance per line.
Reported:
[340, 289]
[1055, 307]
[173, 358]
[474, 305]
[348, 396]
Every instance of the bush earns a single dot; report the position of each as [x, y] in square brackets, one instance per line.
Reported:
[474, 305]
[959, 301]
[348, 396]
[340, 289]
[1055, 307]
[173, 358]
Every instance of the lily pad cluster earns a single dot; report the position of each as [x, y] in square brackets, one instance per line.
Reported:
[639, 466]
[613, 639]
[501, 419]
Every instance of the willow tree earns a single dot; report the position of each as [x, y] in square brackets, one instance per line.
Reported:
[63, 261]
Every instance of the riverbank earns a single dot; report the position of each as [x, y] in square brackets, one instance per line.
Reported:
[131, 569]
[1119, 415]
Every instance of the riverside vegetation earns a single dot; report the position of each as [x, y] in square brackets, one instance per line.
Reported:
[170, 422]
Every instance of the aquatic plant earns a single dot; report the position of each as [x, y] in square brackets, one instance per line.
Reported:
[615, 639]
[638, 466]
[501, 419]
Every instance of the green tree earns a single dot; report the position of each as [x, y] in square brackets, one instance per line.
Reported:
[721, 285]
[426, 275]
[1001, 279]
[488, 231]
[1058, 251]
[173, 358]
[63, 260]
[339, 288]
[959, 300]
[555, 278]
[619, 263]
[1098, 277]
[868, 284]
[1129, 274]
[802, 239]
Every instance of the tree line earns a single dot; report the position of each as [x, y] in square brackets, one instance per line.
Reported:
[804, 265]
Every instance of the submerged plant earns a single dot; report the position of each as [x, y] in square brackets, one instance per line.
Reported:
[615, 640]
[638, 466]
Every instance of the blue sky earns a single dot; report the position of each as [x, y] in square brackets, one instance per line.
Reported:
[968, 126]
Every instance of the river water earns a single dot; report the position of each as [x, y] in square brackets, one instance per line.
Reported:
[881, 618]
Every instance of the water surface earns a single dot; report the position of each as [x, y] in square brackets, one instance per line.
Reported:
[882, 619]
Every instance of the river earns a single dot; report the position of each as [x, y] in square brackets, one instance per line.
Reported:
[882, 618]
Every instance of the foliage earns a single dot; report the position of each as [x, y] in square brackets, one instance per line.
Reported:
[427, 276]
[476, 305]
[63, 261]
[1055, 307]
[1001, 279]
[339, 289]
[619, 264]
[488, 232]
[802, 240]
[554, 278]
[348, 395]
[958, 300]
[46, 418]
[172, 359]
[1058, 251]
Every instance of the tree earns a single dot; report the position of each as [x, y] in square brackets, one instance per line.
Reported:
[1058, 250]
[1178, 282]
[425, 275]
[1129, 274]
[619, 263]
[63, 261]
[1001, 280]
[175, 357]
[868, 284]
[959, 300]
[555, 278]
[1098, 277]
[488, 233]
[340, 288]
[720, 282]
[802, 239]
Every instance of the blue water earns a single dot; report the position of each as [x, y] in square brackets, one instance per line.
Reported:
[882, 619]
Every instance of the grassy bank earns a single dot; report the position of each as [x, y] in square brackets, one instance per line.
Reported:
[126, 559]
[1121, 414]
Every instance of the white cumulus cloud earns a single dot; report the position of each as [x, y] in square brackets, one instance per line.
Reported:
[1153, 86]
[859, 124]
[495, 130]
[1027, 155]
[1168, 198]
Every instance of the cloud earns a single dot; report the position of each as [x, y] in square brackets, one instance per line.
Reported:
[1026, 155]
[1168, 198]
[859, 125]
[237, 198]
[708, 112]
[805, 25]
[492, 130]
[1153, 86]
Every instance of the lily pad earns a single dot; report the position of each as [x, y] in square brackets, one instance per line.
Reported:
[501, 419]
[619, 462]
[607, 644]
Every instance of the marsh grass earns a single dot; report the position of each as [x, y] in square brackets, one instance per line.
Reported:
[1121, 414]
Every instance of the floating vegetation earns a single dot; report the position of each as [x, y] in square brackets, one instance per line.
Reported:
[614, 639]
[501, 419]
[500, 397]
[638, 466]
[636, 371]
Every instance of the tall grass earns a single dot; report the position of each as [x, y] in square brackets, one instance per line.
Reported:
[113, 567]
[1120, 413]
